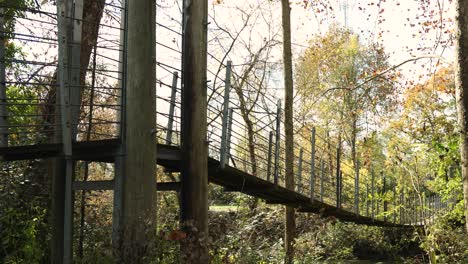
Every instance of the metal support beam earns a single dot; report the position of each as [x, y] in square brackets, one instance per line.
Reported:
[229, 133]
[227, 86]
[338, 181]
[299, 172]
[277, 140]
[322, 172]
[384, 196]
[402, 207]
[172, 105]
[270, 149]
[75, 88]
[356, 188]
[312, 165]
[372, 194]
[65, 37]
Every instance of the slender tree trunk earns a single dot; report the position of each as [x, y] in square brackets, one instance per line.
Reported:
[290, 221]
[461, 83]
[194, 171]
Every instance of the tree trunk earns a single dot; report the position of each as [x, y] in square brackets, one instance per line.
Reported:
[194, 147]
[290, 221]
[461, 83]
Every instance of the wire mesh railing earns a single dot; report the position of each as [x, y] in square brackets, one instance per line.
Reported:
[245, 122]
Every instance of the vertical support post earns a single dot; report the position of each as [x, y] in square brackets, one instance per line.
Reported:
[338, 182]
[356, 188]
[394, 203]
[270, 148]
[139, 167]
[229, 133]
[277, 144]
[65, 35]
[194, 147]
[3, 95]
[402, 207]
[299, 172]
[372, 193]
[117, 213]
[227, 87]
[75, 85]
[384, 196]
[367, 199]
[312, 166]
[172, 104]
[322, 172]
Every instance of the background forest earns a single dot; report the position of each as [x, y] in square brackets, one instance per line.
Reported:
[387, 103]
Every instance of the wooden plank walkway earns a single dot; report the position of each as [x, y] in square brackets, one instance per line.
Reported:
[230, 178]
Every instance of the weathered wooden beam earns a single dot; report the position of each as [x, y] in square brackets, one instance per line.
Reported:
[93, 185]
[168, 186]
[194, 169]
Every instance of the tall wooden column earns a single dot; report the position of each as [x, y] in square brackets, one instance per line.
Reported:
[194, 173]
[139, 164]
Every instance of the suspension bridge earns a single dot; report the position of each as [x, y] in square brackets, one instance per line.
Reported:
[245, 143]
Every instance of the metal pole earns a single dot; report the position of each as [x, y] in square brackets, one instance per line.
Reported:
[3, 95]
[312, 166]
[75, 85]
[356, 189]
[338, 172]
[227, 86]
[172, 104]
[65, 35]
[367, 199]
[278, 138]
[229, 133]
[394, 203]
[322, 171]
[402, 207]
[299, 172]
[372, 193]
[270, 148]
[384, 196]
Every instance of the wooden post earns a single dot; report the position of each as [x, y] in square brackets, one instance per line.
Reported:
[194, 147]
[139, 191]
[312, 166]
[119, 171]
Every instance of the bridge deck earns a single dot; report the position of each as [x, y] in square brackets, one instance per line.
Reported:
[231, 178]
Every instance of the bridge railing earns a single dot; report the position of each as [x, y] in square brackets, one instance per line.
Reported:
[245, 130]
[30, 78]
